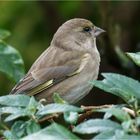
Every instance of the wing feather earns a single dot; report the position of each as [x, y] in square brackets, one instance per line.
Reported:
[44, 74]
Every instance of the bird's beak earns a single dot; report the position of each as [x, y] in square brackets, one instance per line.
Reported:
[98, 31]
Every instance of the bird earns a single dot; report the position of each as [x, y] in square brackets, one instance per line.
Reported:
[66, 66]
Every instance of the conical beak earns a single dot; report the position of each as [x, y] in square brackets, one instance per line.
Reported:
[98, 31]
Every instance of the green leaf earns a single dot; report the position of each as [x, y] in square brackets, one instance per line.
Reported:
[107, 115]
[96, 126]
[9, 136]
[11, 62]
[32, 127]
[125, 62]
[4, 34]
[110, 88]
[58, 108]
[9, 110]
[135, 57]
[32, 106]
[127, 125]
[16, 115]
[71, 117]
[109, 135]
[119, 85]
[128, 137]
[121, 135]
[58, 99]
[119, 113]
[18, 129]
[52, 132]
[138, 121]
[15, 100]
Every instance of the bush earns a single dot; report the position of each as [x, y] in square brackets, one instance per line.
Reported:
[22, 117]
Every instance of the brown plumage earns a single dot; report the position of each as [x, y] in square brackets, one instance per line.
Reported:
[66, 66]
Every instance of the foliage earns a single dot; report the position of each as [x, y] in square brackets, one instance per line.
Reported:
[11, 62]
[22, 117]
[135, 57]
[32, 111]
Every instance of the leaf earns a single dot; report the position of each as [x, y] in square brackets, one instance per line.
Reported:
[9, 136]
[121, 135]
[110, 88]
[127, 125]
[135, 57]
[4, 34]
[15, 100]
[107, 115]
[58, 108]
[119, 113]
[96, 126]
[71, 117]
[109, 135]
[58, 99]
[52, 132]
[11, 62]
[126, 84]
[16, 115]
[32, 106]
[125, 62]
[119, 85]
[18, 129]
[9, 110]
[138, 121]
[129, 137]
[32, 127]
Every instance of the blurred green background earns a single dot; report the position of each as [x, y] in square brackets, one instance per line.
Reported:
[32, 25]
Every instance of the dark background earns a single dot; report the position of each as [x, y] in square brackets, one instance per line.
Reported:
[32, 25]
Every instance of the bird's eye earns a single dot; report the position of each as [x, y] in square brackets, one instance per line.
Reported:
[87, 29]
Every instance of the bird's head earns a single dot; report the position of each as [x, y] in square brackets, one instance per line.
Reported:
[77, 29]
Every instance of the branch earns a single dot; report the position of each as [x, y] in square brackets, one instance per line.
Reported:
[50, 117]
[88, 111]
[129, 111]
[86, 108]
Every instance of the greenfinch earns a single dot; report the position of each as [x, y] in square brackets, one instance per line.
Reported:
[66, 66]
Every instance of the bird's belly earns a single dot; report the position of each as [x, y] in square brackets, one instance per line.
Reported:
[82, 85]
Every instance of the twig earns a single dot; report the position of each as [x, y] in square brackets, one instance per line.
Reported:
[46, 118]
[88, 110]
[2, 138]
[129, 111]
[84, 116]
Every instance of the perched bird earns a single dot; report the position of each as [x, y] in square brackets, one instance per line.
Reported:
[67, 66]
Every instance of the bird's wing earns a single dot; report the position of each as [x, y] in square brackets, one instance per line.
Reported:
[40, 77]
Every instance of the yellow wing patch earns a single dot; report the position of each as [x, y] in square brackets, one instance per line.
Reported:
[40, 88]
[49, 83]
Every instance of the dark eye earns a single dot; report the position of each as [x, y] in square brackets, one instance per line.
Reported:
[87, 29]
